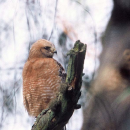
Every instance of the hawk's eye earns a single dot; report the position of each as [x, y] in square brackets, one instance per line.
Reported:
[47, 47]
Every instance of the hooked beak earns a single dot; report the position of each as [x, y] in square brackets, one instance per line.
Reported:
[55, 51]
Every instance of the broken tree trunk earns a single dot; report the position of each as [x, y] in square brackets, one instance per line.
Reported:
[62, 107]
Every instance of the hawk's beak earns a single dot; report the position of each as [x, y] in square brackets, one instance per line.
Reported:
[55, 51]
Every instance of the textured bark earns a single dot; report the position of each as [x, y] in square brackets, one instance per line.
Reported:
[62, 107]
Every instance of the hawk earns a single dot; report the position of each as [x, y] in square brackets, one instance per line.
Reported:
[42, 77]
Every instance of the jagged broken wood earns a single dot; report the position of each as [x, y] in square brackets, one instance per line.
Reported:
[62, 107]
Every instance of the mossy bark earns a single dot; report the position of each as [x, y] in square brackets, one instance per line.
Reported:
[62, 107]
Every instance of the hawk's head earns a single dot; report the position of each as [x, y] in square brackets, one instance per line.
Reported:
[42, 49]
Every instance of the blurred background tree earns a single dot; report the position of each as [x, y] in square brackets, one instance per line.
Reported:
[109, 103]
[62, 22]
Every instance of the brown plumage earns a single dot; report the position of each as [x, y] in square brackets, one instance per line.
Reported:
[42, 76]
